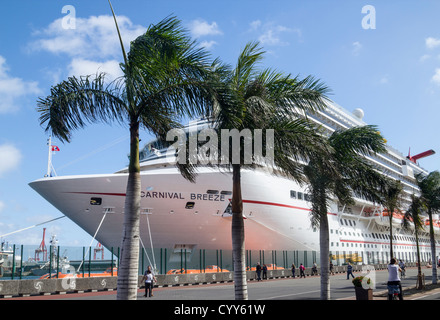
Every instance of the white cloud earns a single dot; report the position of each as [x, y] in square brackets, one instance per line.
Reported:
[200, 28]
[10, 158]
[94, 37]
[83, 67]
[436, 77]
[424, 57]
[356, 48]
[271, 38]
[12, 89]
[255, 25]
[384, 79]
[207, 44]
[272, 34]
[92, 46]
[432, 43]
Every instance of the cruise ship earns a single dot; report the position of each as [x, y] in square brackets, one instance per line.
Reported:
[177, 214]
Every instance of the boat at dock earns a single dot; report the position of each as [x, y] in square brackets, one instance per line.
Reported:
[8, 260]
[207, 269]
[185, 216]
[55, 261]
[60, 275]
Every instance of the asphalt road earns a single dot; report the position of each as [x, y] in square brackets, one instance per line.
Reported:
[267, 290]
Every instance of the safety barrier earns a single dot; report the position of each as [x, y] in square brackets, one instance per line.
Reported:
[11, 288]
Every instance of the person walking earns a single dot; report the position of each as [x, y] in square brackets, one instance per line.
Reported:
[402, 268]
[349, 271]
[149, 279]
[393, 278]
[293, 270]
[331, 268]
[314, 269]
[264, 272]
[258, 269]
[301, 271]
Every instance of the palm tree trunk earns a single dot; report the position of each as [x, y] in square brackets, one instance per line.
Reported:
[433, 256]
[390, 215]
[324, 255]
[129, 260]
[238, 248]
[419, 284]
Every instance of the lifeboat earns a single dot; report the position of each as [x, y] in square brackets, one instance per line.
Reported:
[208, 269]
[271, 266]
[213, 268]
[182, 271]
[61, 275]
[368, 213]
[383, 218]
[436, 224]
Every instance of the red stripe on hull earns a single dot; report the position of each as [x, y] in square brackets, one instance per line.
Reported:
[101, 193]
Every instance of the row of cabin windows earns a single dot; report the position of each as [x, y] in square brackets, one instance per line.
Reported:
[368, 245]
[347, 222]
[384, 236]
[300, 195]
[365, 245]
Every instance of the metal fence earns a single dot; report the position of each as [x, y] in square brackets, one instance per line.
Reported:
[23, 262]
[202, 260]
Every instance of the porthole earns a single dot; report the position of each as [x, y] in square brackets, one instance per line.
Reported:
[95, 201]
[189, 205]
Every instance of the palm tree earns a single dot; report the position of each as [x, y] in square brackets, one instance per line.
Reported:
[265, 99]
[391, 201]
[414, 215]
[342, 174]
[165, 75]
[430, 193]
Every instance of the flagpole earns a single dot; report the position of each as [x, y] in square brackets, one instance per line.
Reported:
[49, 158]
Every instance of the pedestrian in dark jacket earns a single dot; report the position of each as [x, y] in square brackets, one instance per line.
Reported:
[258, 269]
[349, 271]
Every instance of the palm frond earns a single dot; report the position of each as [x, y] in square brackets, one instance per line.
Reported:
[430, 189]
[414, 213]
[246, 67]
[365, 140]
[170, 71]
[308, 94]
[77, 101]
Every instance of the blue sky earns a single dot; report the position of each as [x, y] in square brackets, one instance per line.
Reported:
[392, 72]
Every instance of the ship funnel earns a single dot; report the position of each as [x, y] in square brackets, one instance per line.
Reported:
[420, 155]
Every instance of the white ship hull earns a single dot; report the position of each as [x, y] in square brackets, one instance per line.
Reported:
[273, 219]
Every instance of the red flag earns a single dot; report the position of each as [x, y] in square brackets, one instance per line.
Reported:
[55, 148]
